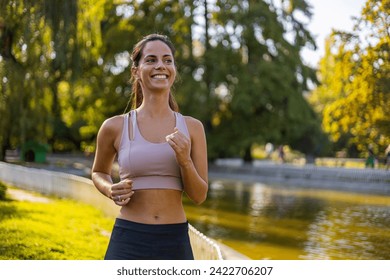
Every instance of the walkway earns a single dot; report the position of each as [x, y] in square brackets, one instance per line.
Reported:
[21, 195]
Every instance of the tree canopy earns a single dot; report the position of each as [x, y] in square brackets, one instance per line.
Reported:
[64, 68]
[355, 83]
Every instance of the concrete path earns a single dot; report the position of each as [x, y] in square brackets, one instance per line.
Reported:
[21, 195]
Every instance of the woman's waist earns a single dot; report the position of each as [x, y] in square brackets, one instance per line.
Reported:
[154, 206]
[158, 218]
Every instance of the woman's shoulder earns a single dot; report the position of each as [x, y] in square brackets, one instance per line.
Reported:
[113, 124]
[193, 123]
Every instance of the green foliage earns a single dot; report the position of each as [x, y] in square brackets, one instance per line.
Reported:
[355, 75]
[264, 77]
[238, 73]
[57, 230]
[45, 44]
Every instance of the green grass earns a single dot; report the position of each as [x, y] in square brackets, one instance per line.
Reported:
[61, 229]
[3, 190]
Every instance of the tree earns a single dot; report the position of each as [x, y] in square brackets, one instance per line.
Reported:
[260, 78]
[23, 71]
[241, 72]
[355, 76]
[46, 47]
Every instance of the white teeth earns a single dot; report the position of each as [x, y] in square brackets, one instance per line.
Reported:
[160, 76]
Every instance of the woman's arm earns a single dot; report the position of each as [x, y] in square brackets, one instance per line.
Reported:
[191, 155]
[107, 140]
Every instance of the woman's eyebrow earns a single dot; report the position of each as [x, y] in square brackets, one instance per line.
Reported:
[152, 55]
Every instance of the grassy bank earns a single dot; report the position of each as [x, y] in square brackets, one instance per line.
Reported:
[55, 229]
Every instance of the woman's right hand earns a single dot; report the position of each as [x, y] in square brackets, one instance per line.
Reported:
[122, 192]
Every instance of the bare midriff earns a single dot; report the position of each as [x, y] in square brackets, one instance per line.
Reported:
[154, 206]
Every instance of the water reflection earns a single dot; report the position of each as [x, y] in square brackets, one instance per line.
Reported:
[349, 232]
[276, 222]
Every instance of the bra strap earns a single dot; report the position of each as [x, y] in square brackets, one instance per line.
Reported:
[133, 122]
[125, 131]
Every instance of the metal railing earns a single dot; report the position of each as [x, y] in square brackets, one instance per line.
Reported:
[82, 189]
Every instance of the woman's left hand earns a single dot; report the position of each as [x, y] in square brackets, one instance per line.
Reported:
[181, 145]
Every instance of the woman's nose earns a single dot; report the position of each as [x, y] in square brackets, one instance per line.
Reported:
[159, 65]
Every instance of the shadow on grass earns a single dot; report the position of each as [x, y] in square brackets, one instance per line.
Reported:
[50, 231]
[12, 244]
[8, 210]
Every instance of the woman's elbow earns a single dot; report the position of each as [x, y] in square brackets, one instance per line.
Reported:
[199, 199]
[197, 194]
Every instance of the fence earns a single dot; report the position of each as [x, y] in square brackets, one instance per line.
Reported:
[82, 189]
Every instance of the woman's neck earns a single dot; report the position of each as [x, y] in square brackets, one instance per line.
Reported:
[154, 109]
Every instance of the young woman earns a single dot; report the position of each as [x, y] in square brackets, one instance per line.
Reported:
[161, 154]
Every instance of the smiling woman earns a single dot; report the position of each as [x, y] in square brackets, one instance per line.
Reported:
[163, 68]
[161, 154]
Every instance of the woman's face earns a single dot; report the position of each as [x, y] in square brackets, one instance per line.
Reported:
[156, 69]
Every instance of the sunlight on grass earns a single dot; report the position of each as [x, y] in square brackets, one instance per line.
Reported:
[61, 229]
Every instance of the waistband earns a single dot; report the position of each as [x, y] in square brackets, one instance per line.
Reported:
[140, 227]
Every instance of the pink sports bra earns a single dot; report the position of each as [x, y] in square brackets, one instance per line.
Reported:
[149, 165]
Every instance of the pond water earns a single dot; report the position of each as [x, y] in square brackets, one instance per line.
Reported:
[275, 222]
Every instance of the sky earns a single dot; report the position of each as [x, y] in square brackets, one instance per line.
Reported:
[328, 14]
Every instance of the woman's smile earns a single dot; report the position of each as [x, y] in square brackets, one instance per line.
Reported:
[160, 76]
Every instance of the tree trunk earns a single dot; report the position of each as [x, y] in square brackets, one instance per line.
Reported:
[248, 155]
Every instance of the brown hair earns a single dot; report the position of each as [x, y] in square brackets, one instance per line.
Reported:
[137, 94]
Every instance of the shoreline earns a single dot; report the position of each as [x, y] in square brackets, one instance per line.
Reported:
[371, 181]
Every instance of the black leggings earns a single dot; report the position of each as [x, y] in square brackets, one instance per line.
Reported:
[136, 241]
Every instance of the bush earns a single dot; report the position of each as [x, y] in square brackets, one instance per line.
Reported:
[3, 190]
